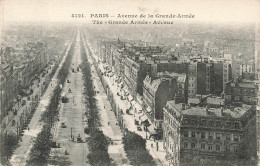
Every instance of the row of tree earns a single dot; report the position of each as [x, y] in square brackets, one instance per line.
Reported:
[98, 143]
[8, 144]
[9, 141]
[135, 148]
[40, 151]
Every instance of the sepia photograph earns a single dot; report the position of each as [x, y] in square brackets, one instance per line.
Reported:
[129, 83]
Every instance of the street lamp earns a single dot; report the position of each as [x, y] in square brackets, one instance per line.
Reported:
[146, 132]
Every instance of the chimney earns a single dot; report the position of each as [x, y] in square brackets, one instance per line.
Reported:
[183, 106]
[222, 111]
[207, 110]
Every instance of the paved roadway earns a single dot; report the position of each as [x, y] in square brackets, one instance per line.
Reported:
[71, 114]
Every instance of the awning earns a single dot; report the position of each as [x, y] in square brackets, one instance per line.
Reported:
[120, 85]
[130, 98]
[126, 93]
[148, 109]
[125, 89]
[137, 107]
[128, 106]
[151, 129]
[143, 118]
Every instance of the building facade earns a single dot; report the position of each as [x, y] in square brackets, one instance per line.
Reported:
[210, 133]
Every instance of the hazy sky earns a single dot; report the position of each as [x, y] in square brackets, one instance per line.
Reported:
[61, 10]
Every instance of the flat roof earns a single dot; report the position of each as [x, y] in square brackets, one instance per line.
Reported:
[237, 112]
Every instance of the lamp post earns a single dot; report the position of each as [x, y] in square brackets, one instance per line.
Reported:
[17, 131]
[146, 132]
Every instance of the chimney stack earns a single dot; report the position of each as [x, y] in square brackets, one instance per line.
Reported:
[183, 106]
[207, 110]
[222, 111]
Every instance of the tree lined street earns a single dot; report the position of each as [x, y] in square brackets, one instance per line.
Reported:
[21, 154]
[71, 115]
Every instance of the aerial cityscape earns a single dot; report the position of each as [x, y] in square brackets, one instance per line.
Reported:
[129, 83]
[174, 95]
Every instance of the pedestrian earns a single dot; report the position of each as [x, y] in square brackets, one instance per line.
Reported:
[104, 107]
[28, 129]
[107, 123]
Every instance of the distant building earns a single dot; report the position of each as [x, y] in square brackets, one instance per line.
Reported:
[247, 70]
[241, 92]
[203, 78]
[235, 64]
[192, 79]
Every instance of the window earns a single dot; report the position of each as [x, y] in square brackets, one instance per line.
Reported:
[193, 145]
[236, 124]
[186, 145]
[227, 148]
[218, 124]
[203, 122]
[218, 136]
[210, 135]
[193, 134]
[203, 146]
[186, 134]
[194, 123]
[217, 148]
[228, 124]
[228, 137]
[236, 138]
[235, 148]
[202, 134]
[211, 123]
[210, 147]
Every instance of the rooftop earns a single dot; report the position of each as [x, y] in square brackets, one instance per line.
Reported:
[181, 77]
[235, 112]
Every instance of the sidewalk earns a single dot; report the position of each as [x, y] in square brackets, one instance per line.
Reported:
[21, 154]
[159, 155]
